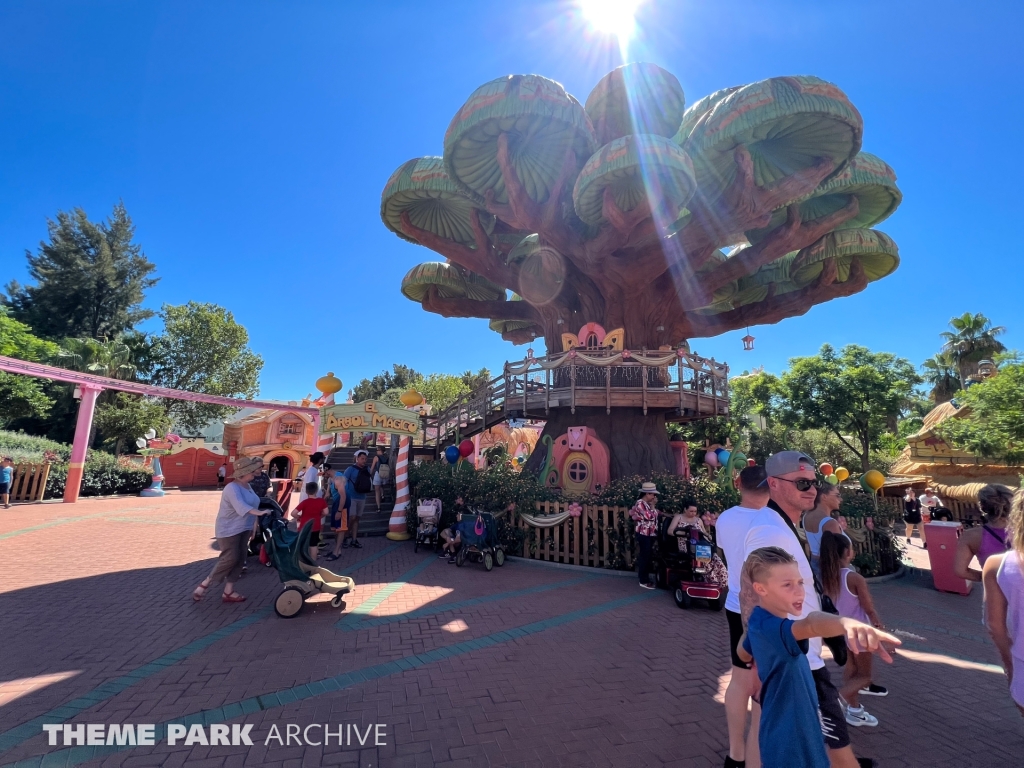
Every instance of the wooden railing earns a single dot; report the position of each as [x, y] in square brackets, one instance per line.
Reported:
[28, 481]
[686, 385]
[602, 536]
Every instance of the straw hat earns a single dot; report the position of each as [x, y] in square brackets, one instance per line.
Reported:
[245, 466]
[649, 488]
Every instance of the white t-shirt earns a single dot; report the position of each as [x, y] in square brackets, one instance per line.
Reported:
[731, 535]
[311, 475]
[768, 529]
[930, 500]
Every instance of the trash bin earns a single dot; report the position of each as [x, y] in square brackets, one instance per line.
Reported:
[942, 540]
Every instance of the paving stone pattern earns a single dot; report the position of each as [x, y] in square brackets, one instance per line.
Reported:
[522, 666]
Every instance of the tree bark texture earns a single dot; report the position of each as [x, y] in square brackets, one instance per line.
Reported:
[637, 444]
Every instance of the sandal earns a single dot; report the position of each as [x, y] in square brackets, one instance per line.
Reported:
[234, 597]
[198, 593]
[332, 557]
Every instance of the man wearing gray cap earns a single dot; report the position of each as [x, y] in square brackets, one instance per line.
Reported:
[792, 483]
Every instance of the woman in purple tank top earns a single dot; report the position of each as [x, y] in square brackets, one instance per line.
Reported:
[991, 538]
[1003, 577]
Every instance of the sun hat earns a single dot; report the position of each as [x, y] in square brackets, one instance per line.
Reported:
[361, 452]
[784, 462]
[649, 488]
[245, 466]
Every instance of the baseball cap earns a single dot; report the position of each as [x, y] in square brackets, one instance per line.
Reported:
[784, 462]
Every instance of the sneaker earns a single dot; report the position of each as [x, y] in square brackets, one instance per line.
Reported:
[874, 690]
[646, 585]
[346, 543]
[451, 560]
[908, 540]
[443, 555]
[858, 717]
[730, 763]
[356, 544]
[925, 545]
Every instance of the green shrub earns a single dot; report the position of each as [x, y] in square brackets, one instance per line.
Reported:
[676, 492]
[104, 475]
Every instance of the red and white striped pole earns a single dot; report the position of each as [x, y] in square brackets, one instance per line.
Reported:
[397, 530]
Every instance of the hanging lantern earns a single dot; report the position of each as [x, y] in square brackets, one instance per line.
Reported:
[748, 341]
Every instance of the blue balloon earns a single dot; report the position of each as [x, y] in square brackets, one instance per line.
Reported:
[723, 456]
[719, 451]
[451, 453]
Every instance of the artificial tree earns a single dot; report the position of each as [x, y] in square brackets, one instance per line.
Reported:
[751, 206]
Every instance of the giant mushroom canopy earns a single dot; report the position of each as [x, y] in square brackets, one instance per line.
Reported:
[752, 205]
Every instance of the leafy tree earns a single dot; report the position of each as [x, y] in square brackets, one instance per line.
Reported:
[22, 396]
[991, 417]
[127, 417]
[972, 339]
[943, 374]
[90, 278]
[112, 359]
[203, 349]
[478, 379]
[855, 394]
[374, 389]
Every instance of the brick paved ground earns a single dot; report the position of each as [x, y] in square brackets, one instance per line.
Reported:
[526, 665]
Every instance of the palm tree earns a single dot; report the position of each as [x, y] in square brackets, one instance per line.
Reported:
[103, 358]
[941, 372]
[972, 339]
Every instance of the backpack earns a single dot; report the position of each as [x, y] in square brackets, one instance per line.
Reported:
[363, 482]
[384, 471]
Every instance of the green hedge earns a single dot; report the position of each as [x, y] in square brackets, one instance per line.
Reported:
[104, 475]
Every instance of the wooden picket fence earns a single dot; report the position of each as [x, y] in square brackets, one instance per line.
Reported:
[28, 481]
[601, 537]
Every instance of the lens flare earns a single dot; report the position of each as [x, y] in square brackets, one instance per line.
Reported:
[612, 17]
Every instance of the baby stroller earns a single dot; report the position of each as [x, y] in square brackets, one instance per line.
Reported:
[685, 567]
[302, 578]
[428, 513]
[479, 534]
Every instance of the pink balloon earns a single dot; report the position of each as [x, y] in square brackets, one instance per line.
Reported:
[711, 459]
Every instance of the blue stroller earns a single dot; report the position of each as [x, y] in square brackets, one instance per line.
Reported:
[480, 542]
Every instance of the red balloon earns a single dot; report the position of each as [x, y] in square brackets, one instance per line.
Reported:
[825, 469]
[751, 463]
[465, 448]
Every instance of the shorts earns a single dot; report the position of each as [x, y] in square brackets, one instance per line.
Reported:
[912, 518]
[5, 488]
[735, 633]
[376, 479]
[314, 538]
[355, 508]
[833, 721]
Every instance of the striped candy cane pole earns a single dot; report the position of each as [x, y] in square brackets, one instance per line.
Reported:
[397, 530]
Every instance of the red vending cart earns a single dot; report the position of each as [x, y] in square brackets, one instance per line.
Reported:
[942, 540]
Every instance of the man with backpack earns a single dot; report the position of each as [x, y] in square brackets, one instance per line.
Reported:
[358, 483]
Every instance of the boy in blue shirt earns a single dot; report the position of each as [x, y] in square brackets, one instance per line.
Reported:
[790, 731]
[6, 478]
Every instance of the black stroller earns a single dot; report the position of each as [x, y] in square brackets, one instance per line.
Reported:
[685, 566]
[288, 551]
[479, 532]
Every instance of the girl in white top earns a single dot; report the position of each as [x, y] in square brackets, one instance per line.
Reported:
[1003, 577]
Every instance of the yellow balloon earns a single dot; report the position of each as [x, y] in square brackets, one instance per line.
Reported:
[874, 479]
[842, 473]
[411, 398]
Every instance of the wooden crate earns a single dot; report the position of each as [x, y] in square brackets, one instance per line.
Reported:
[28, 481]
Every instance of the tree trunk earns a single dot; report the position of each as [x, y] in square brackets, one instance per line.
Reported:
[637, 444]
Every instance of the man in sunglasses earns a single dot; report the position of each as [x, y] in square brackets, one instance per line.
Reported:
[792, 485]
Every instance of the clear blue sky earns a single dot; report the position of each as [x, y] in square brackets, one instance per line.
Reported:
[250, 142]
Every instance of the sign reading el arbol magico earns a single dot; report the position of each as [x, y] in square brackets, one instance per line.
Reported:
[371, 416]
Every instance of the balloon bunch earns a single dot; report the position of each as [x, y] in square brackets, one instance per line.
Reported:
[455, 454]
[833, 476]
[733, 463]
[717, 456]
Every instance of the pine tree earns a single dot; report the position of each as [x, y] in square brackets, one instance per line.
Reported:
[90, 279]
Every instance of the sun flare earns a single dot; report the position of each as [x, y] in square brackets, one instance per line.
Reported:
[613, 17]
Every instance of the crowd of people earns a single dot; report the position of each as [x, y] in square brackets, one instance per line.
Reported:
[787, 561]
[792, 586]
[327, 497]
